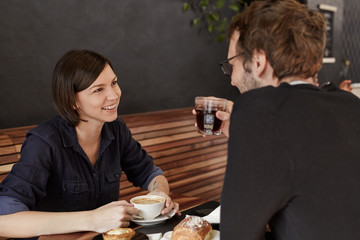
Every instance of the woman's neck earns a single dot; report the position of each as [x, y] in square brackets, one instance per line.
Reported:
[89, 136]
[87, 132]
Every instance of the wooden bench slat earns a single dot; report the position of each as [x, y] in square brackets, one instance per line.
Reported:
[178, 177]
[8, 150]
[197, 178]
[18, 140]
[6, 168]
[189, 167]
[188, 147]
[206, 188]
[143, 119]
[171, 138]
[182, 142]
[183, 163]
[17, 130]
[9, 158]
[161, 126]
[197, 188]
[213, 195]
[218, 149]
[5, 140]
[166, 132]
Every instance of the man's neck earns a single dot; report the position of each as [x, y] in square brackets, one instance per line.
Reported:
[310, 80]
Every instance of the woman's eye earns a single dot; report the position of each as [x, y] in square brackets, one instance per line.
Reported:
[98, 90]
[114, 82]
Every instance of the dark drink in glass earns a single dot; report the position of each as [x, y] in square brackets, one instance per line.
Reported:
[206, 120]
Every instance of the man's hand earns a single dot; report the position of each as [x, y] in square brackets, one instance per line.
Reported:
[224, 116]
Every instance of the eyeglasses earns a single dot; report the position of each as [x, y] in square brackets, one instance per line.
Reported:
[226, 67]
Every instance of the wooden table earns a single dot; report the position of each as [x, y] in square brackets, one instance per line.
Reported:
[185, 204]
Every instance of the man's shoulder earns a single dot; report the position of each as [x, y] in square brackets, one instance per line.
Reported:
[261, 99]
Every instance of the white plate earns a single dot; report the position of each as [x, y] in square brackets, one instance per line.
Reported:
[154, 221]
[216, 235]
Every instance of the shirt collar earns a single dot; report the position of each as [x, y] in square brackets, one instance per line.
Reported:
[297, 82]
[69, 136]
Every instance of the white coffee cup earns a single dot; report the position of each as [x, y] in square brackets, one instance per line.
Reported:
[148, 206]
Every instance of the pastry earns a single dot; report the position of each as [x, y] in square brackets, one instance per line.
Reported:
[119, 234]
[192, 228]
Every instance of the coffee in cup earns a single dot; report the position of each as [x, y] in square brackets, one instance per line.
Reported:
[148, 206]
[206, 120]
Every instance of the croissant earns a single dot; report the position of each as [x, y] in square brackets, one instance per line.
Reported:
[192, 228]
[119, 234]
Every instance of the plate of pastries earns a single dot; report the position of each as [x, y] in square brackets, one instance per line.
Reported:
[121, 234]
[192, 228]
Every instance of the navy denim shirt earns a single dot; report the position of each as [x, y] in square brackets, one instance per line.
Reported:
[54, 173]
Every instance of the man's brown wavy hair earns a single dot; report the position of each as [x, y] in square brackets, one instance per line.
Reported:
[292, 36]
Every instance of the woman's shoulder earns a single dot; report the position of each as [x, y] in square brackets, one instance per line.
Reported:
[52, 128]
[49, 125]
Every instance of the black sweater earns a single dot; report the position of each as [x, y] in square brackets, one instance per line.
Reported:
[294, 163]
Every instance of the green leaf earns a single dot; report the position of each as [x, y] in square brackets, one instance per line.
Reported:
[186, 6]
[204, 3]
[220, 38]
[234, 7]
[213, 17]
[196, 21]
[222, 25]
[220, 4]
[242, 5]
[211, 27]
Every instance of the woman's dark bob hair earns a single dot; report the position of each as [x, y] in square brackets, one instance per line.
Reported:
[74, 72]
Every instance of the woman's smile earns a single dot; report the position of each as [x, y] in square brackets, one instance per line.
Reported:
[110, 107]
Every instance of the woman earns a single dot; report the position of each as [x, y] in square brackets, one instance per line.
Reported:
[67, 179]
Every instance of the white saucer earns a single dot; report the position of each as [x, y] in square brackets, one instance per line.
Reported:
[154, 221]
[216, 235]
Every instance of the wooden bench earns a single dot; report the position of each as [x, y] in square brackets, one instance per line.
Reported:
[194, 165]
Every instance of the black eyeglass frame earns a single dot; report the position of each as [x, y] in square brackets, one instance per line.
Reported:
[226, 67]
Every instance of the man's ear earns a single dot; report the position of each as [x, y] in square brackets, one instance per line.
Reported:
[259, 63]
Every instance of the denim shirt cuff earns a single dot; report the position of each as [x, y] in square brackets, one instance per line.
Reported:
[156, 171]
[11, 205]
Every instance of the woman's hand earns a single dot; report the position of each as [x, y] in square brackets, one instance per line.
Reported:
[346, 85]
[169, 204]
[112, 215]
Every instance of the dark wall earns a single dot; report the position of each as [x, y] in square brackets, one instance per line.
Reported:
[330, 71]
[161, 62]
[351, 38]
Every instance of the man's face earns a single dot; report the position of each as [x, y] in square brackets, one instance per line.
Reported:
[241, 78]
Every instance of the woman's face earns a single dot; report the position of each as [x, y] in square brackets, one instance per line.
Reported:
[98, 103]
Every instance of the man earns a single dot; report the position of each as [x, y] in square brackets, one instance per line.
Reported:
[294, 158]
